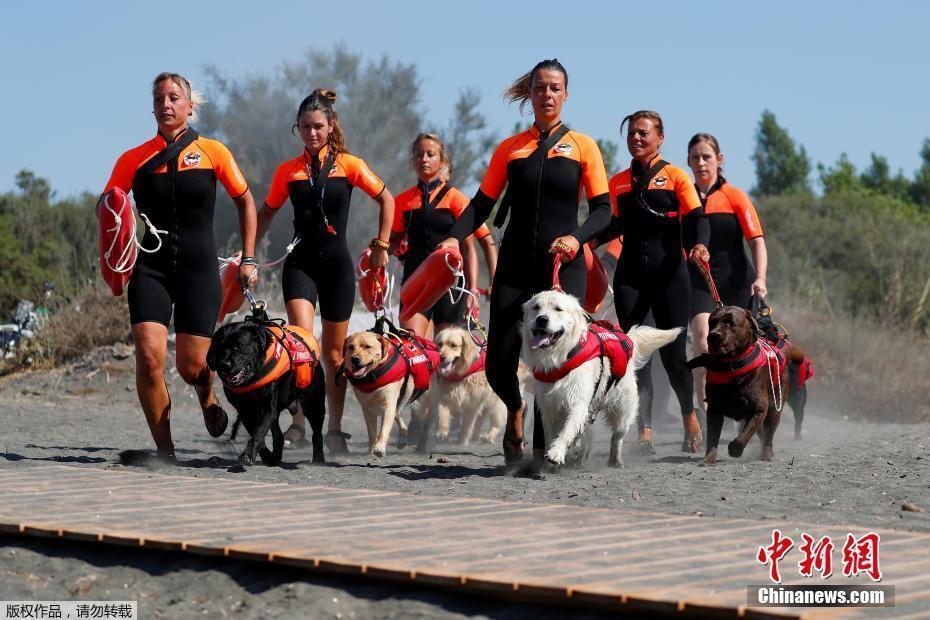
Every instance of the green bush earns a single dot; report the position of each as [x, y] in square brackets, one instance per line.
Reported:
[852, 252]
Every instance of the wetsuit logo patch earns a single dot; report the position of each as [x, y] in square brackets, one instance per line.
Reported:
[191, 160]
[660, 181]
[562, 147]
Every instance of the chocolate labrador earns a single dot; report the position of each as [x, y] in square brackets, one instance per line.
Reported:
[746, 381]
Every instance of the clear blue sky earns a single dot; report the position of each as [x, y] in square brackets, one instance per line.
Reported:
[840, 76]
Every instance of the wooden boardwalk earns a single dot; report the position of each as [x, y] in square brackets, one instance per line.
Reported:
[625, 560]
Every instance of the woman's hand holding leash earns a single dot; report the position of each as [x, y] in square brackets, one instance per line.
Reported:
[248, 272]
[450, 243]
[567, 246]
[699, 251]
[758, 288]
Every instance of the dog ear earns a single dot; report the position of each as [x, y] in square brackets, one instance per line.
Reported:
[385, 347]
[756, 330]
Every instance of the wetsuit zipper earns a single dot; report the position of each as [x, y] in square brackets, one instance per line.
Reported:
[539, 176]
[172, 195]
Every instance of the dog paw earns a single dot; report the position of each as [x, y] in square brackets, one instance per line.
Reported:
[735, 449]
[442, 435]
[710, 458]
[615, 463]
[402, 441]
[318, 456]
[767, 453]
[378, 450]
[245, 460]
[555, 456]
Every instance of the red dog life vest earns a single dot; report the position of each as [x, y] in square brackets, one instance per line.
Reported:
[291, 348]
[601, 339]
[413, 357]
[805, 368]
[721, 371]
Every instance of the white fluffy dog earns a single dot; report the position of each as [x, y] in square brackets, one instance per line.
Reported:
[455, 392]
[553, 324]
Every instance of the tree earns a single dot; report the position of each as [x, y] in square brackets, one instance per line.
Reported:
[920, 188]
[44, 241]
[781, 167]
[467, 140]
[877, 177]
[609, 151]
[840, 177]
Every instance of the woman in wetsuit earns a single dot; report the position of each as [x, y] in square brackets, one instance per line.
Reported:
[546, 168]
[173, 180]
[425, 213]
[319, 183]
[732, 218]
[653, 201]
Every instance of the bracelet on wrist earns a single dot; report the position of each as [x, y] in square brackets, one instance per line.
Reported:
[379, 244]
[248, 260]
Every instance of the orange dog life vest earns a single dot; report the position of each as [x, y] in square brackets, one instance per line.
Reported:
[291, 348]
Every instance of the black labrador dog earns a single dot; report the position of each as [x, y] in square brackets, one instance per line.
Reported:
[237, 354]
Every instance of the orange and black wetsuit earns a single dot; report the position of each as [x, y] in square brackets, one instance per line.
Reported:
[650, 208]
[320, 188]
[174, 185]
[427, 213]
[732, 218]
[546, 172]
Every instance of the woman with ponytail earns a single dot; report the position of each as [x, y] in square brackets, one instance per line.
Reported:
[546, 168]
[173, 181]
[425, 213]
[732, 218]
[319, 183]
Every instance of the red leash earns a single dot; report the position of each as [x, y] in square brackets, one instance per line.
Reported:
[704, 268]
[561, 250]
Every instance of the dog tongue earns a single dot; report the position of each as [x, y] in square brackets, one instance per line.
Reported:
[445, 368]
[359, 371]
[542, 340]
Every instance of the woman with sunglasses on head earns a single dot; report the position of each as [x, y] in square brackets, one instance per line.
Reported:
[425, 213]
[653, 201]
[319, 183]
[732, 218]
[546, 168]
[173, 181]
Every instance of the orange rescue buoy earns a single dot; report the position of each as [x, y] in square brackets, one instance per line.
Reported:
[372, 283]
[117, 240]
[431, 280]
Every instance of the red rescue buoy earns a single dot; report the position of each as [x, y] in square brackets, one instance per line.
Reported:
[431, 280]
[232, 288]
[372, 283]
[596, 287]
[117, 240]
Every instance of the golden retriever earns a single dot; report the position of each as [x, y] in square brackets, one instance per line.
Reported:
[365, 352]
[456, 394]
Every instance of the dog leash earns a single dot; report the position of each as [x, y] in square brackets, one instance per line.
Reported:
[772, 359]
[704, 268]
[561, 250]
